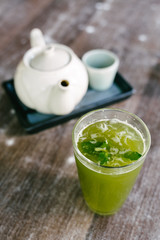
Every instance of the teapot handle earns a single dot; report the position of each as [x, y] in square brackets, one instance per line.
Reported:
[36, 38]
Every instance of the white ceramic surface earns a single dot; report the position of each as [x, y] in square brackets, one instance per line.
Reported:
[102, 66]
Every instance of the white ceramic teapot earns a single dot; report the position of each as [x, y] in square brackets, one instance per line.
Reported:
[50, 79]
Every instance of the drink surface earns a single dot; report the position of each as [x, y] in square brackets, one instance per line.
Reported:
[111, 143]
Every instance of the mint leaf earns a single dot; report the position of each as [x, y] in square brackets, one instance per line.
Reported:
[132, 155]
[104, 145]
[89, 147]
[103, 157]
[98, 149]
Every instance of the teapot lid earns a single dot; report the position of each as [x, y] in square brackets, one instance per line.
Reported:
[50, 59]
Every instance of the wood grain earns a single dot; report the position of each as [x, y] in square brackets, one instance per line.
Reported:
[40, 196]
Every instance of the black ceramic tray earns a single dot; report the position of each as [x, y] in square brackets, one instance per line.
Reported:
[33, 121]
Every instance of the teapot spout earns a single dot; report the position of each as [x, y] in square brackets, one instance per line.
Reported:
[37, 38]
[62, 98]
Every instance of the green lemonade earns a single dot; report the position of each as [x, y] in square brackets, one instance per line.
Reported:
[111, 144]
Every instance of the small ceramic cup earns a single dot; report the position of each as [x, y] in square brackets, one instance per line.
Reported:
[102, 66]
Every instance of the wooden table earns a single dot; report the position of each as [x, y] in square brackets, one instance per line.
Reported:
[40, 196]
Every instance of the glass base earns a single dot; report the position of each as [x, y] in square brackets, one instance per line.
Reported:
[102, 213]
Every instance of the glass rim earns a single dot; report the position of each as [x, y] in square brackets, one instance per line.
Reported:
[109, 167]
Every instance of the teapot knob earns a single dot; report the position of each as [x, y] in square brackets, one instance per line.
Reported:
[37, 38]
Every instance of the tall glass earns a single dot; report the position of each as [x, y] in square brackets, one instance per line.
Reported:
[106, 188]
